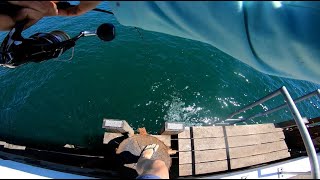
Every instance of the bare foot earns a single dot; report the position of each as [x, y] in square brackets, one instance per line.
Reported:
[149, 150]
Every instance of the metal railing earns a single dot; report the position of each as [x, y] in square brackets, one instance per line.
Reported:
[296, 116]
[233, 121]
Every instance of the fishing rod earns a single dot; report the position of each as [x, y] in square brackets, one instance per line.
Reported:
[16, 50]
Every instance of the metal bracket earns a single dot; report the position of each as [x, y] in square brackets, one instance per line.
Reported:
[280, 174]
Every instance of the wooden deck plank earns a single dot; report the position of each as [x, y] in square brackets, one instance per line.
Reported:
[237, 141]
[172, 128]
[211, 167]
[185, 157]
[203, 168]
[209, 144]
[117, 126]
[251, 129]
[185, 170]
[184, 145]
[259, 159]
[203, 156]
[207, 131]
[15, 147]
[246, 151]
[248, 145]
[210, 155]
[184, 134]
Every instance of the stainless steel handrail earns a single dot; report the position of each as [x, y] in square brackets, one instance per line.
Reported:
[274, 94]
[307, 141]
[316, 92]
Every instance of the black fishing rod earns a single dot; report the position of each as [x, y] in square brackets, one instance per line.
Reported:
[16, 50]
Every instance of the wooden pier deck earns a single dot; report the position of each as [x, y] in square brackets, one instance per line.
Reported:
[212, 149]
[194, 151]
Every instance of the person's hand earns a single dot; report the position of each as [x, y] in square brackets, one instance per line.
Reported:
[31, 10]
[81, 8]
[6, 22]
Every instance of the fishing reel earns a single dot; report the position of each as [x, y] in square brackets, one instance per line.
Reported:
[16, 50]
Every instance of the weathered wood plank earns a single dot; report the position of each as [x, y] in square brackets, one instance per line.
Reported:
[210, 167]
[209, 143]
[184, 145]
[172, 128]
[117, 126]
[166, 139]
[184, 134]
[243, 130]
[258, 159]
[202, 144]
[203, 168]
[249, 145]
[207, 131]
[202, 156]
[185, 170]
[12, 146]
[210, 155]
[217, 131]
[185, 157]
[237, 141]
[15, 147]
[237, 152]
[69, 146]
[246, 151]
[110, 136]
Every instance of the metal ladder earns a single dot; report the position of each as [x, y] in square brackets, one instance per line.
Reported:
[296, 116]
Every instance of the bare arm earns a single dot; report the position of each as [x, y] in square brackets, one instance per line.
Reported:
[81, 8]
[31, 10]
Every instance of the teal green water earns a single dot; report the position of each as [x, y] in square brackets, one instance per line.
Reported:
[145, 80]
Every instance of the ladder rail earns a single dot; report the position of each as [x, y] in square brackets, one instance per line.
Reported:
[285, 105]
[307, 141]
